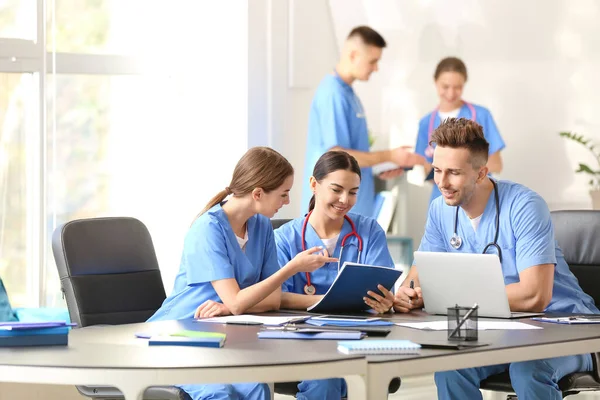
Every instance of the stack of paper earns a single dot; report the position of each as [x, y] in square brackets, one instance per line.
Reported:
[34, 333]
[245, 319]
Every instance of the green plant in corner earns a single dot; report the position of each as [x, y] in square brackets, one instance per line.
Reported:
[594, 181]
[371, 138]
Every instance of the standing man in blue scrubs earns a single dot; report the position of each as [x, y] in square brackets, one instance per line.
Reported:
[535, 272]
[337, 119]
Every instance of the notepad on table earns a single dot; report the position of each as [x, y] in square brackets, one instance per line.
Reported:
[186, 341]
[185, 338]
[379, 347]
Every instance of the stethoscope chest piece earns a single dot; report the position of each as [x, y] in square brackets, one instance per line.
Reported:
[309, 289]
[455, 241]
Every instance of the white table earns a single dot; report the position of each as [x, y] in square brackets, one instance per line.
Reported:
[112, 356]
[505, 346]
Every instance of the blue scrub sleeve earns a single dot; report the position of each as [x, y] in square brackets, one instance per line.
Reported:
[433, 238]
[422, 137]
[283, 257]
[334, 122]
[534, 232]
[378, 252]
[492, 135]
[205, 253]
[270, 263]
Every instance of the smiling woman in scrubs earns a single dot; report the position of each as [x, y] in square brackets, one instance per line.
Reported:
[229, 262]
[517, 221]
[334, 183]
[450, 77]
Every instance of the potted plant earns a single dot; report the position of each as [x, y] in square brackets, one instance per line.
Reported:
[594, 174]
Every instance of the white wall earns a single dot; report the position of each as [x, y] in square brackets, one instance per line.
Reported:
[533, 64]
[176, 143]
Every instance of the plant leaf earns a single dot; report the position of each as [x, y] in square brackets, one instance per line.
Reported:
[586, 169]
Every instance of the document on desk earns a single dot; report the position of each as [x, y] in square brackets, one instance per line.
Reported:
[246, 319]
[481, 325]
[574, 320]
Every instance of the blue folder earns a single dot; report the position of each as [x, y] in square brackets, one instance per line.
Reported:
[352, 284]
[283, 334]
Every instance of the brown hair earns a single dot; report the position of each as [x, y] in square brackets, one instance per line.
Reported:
[330, 162]
[260, 167]
[462, 133]
[369, 36]
[450, 64]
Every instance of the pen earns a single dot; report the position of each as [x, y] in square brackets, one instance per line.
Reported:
[462, 321]
[412, 286]
[243, 323]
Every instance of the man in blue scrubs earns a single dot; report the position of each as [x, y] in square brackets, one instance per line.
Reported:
[535, 272]
[337, 119]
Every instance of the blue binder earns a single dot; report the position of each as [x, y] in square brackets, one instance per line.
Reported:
[352, 284]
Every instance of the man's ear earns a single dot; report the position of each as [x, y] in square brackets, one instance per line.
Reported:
[257, 193]
[312, 183]
[483, 173]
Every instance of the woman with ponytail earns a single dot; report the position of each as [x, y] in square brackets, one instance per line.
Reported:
[335, 182]
[229, 263]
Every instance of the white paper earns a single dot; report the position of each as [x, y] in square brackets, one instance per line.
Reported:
[240, 319]
[416, 176]
[383, 167]
[481, 325]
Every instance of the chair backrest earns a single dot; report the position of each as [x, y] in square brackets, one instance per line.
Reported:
[577, 233]
[276, 223]
[108, 270]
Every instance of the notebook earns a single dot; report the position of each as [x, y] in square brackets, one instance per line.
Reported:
[186, 341]
[351, 285]
[379, 347]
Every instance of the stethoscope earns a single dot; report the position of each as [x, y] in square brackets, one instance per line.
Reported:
[456, 241]
[356, 104]
[429, 149]
[309, 288]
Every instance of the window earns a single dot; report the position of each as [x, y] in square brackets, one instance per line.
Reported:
[110, 111]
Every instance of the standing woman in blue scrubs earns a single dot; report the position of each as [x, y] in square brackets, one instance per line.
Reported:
[229, 262]
[450, 78]
[334, 183]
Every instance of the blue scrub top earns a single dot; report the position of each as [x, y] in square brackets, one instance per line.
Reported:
[526, 238]
[483, 117]
[289, 243]
[211, 252]
[337, 119]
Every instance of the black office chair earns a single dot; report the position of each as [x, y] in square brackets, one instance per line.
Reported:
[577, 233]
[109, 276]
[291, 388]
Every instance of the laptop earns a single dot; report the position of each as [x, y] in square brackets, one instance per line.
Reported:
[448, 279]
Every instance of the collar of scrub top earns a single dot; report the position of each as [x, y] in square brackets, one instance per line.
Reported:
[434, 113]
[456, 241]
[309, 288]
[356, 104]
